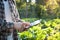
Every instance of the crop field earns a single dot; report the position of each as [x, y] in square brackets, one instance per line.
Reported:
[46, 30]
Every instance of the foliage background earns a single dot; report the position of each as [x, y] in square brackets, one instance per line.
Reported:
[48, 11]
[39, 9]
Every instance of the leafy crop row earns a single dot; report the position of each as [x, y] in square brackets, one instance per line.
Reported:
[46, 30]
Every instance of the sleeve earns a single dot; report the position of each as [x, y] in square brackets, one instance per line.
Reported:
[10, 25]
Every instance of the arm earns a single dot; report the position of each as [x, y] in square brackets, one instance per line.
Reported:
[20, 26]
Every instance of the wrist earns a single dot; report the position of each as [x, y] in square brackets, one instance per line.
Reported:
[10, 25]
[18, 26]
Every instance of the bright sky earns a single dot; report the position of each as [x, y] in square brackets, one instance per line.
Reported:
[31, 1]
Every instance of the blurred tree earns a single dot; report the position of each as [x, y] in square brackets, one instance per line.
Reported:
[58, 1]
[49, 6]
[43, 8]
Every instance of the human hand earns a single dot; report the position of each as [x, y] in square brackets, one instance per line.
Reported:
[21, 26]
[26, 24]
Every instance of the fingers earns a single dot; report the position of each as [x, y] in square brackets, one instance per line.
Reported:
[26, 24]
[21, 26]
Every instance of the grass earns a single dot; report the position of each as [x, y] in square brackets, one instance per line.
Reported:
[30, 19]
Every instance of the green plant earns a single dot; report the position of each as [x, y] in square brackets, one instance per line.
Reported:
[55, 36]
[51, 32]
